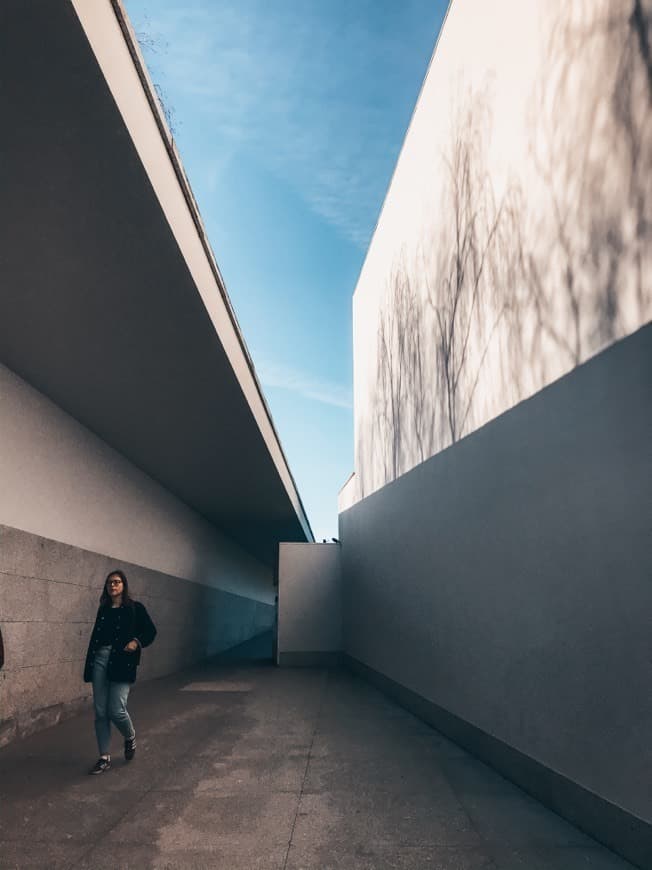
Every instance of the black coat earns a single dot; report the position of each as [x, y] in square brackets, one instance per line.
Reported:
[133, 623]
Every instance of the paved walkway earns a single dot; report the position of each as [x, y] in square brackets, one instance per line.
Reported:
[243, 765]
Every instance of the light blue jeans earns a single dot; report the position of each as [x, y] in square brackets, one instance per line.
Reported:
[110, 700]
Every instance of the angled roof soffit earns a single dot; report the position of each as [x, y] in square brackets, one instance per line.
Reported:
[93, 19]
[100, 185]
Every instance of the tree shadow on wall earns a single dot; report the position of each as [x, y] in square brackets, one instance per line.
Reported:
[440, 314]
[592, 148]
[403, 416]
[470, 266]
[538, 279]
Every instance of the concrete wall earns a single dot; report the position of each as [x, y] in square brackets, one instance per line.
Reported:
[309, 604]
[516, 237]
[506, 582]
[61, 481]
[495, 533]
[72, 508]
[50, 594]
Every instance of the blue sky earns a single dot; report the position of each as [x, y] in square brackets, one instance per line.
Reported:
[289, 117]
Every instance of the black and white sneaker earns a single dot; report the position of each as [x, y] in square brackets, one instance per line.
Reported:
[130, 748]
[101, 765]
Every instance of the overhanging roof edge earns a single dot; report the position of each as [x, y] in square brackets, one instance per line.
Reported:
[85, 15]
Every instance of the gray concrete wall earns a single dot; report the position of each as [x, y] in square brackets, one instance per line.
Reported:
[61, 481]
[49, 593]
[506, 580]
[309, 604]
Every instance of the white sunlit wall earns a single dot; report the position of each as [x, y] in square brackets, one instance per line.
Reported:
[495, 523]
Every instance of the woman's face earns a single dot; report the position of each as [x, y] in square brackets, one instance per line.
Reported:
[114, 586]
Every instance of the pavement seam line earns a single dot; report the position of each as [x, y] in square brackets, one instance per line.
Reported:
[305, 772]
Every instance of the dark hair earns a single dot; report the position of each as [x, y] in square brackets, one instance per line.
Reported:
[105, 598]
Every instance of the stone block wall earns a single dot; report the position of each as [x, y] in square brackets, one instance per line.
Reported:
[49, 593]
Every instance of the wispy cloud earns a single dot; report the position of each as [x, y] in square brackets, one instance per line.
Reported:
[306, 385]
[303, 90]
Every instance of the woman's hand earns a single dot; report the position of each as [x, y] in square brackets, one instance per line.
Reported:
[132, 646]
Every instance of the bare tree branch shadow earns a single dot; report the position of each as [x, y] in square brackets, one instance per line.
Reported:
[403, 421]
[469, 281]
[533, 280]
[592, 146]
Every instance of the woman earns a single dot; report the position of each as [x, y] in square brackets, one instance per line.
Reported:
[122, 628]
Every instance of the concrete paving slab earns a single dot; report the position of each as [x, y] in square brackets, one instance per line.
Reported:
[16, 855]
[403, 858]
[381, 818]
[398, 776]
[256, 745]
[279, 731]
[309, 769]
[373, 725]
[351, 707]
[558, 858]
[256, 752]
[468, 775]
[217, 686]
[61, 817]
[263, 857]
[236, 775]
[188, 820]
[520, 821]
[356, 743]
[195, 712]
[342, 699]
